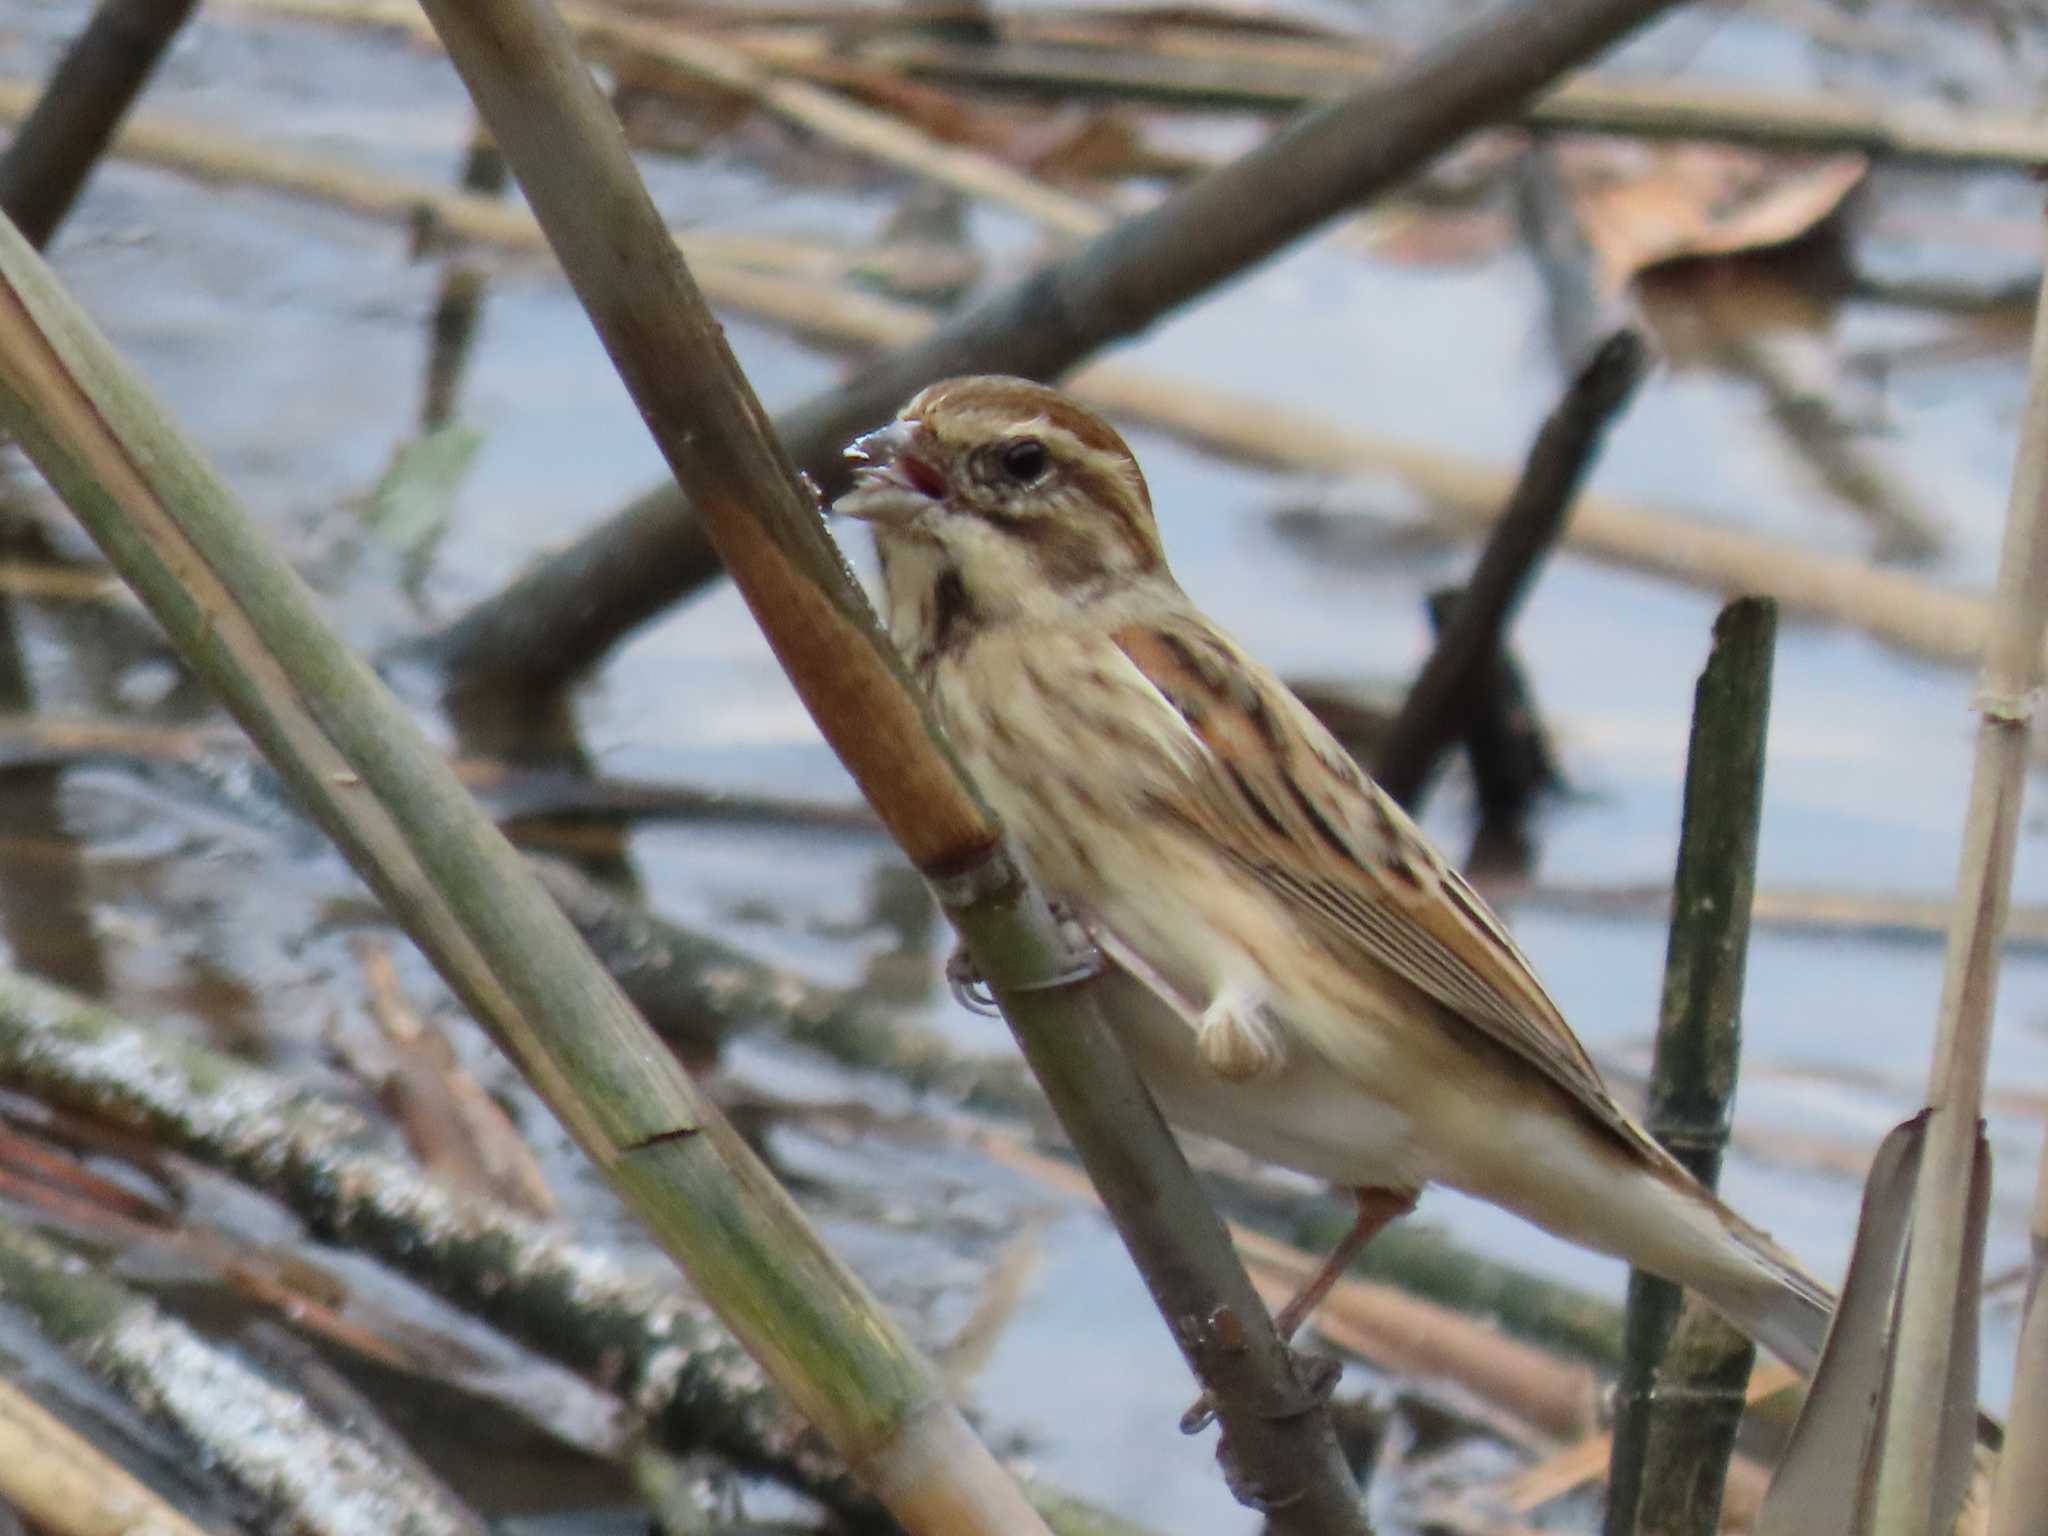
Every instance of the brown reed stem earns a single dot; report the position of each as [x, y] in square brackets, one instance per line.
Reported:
[562, 141]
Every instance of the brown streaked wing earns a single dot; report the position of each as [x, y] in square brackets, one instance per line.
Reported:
[1284, 802]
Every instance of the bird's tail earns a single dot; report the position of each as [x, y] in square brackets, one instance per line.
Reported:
[1764, 1292]
[1778, 1304]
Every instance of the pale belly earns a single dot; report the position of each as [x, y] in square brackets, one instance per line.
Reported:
[1305, 1116]
[1196, 935]
[1201, 933]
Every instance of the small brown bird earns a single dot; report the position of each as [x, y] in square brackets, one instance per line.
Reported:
[1340, 999]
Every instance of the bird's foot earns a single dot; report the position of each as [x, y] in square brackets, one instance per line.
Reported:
[1084, 956]
[1315, 1375]
[966, 985]
[1081, 961]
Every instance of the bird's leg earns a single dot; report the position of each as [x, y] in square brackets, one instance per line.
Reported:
[1376, 1207]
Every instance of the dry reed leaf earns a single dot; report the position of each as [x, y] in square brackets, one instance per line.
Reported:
[1150, 21]
[945, 115]
[1079, 144]
[1557, 1475]
[1070, 142]
[1641, 205]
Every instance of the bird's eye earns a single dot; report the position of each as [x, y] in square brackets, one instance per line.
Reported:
[1024, 460]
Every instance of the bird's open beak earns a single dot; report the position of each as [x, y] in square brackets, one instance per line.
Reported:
[893, 481]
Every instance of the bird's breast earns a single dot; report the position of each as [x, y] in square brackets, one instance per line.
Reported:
[1083, 762]
[1075, 760]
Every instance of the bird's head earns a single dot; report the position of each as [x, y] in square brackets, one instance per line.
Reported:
[1006, 489]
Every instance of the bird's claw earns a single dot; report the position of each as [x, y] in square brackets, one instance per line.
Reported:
[966, 985]
[1084, 962]
[1316, 1376]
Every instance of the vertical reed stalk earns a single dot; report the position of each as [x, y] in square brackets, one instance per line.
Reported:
[2006, 696]
[1679, 1405]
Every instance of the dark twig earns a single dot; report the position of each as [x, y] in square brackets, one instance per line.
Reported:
[89, 92]
[1507, 750]
[563, 143]
[1443, 703]
[1682, 1382]
[567, 613]
[1581, 307]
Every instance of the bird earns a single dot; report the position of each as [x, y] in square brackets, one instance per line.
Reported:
[1337, 998]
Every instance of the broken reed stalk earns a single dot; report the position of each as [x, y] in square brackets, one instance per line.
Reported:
[89, 91]
[1507, 751]
[563, 142]
[1446, 697]
[564, 615]
[360, 764]
[2008, 688]
[459, 296]
[1682, 1382]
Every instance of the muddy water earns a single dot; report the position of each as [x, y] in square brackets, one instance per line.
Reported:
[290, 340]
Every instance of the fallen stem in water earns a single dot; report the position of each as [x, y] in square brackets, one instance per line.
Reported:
[305, 1473]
